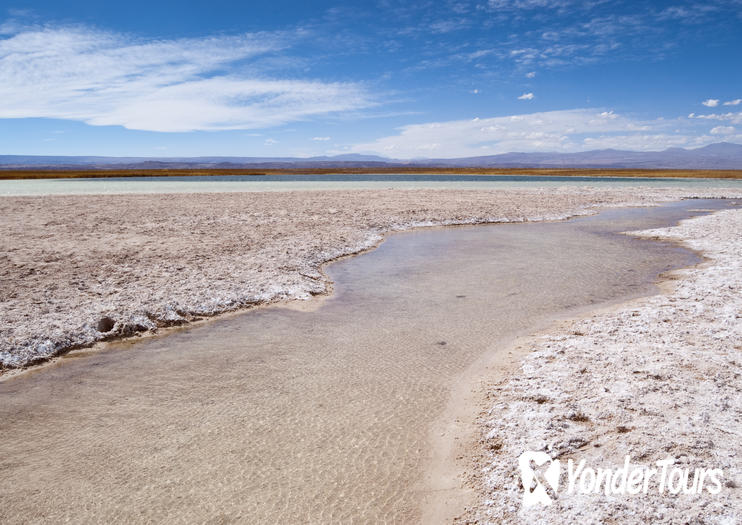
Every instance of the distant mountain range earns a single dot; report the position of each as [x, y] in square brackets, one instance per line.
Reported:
[722, 155]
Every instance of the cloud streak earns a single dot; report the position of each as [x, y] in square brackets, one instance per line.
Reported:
[561, 131]
[105, 78]
[734, 118]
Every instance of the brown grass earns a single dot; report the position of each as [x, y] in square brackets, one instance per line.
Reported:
[74, 174]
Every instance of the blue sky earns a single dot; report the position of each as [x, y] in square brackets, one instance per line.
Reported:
[398, 79]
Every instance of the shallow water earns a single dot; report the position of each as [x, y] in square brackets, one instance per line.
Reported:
[239, 183]
[286, 416]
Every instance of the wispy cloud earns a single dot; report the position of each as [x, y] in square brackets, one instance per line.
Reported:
[526, 96]
[560, 33]
[514, 5]
[449, 26]
[692, 13]
[734, 118]
[722, 130]
[563, 131]
[106, 78]
[321, 139]
[711, 102]
[735, 102]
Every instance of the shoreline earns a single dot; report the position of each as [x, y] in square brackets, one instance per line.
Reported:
[453, 490]
[546, 355]
[305, 279]
[301, 304]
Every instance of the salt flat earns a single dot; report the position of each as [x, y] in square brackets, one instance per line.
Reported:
[656, 378]
[139, 262]
[313, 415]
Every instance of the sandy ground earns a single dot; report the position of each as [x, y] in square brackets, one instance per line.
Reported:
[81, 269]
[656, 378]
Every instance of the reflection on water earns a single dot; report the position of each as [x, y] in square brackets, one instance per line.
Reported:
[232, 183]
[285, 416]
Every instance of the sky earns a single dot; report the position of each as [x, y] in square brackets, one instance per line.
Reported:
[423, 79]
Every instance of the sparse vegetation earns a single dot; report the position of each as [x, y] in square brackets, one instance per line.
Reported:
[11, 174]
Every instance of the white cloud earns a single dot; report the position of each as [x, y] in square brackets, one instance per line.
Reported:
[562, 131]
[722, 130]
[105, 78]
[694, 13]
[531, 74]
[711, 102]
[734, 118]
[735, 102]
[526, 96]
[527, 4]
[638, 142]
[478, 54]
[321, 139]
[448, 26]
[270, 142]
[531, 35]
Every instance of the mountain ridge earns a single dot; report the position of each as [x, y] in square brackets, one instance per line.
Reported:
[720, 155]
